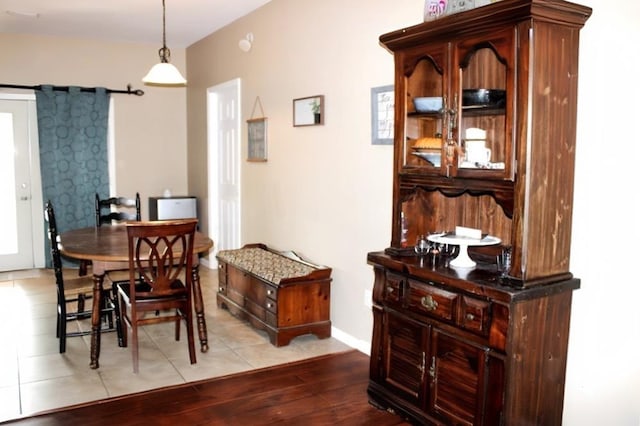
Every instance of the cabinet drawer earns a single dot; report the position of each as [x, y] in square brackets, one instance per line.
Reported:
[271, 292]
[423, 298]
[271, 306]
[393, 288]
[222, 274]
[475, 315]
[222, 289]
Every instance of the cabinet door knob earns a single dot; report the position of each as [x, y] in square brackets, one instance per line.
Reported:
[389, 289]
[471, 317]
[429, 302]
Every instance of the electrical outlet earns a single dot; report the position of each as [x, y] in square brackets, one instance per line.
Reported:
[367, 298]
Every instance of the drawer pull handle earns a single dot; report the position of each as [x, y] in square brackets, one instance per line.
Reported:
[429, 302]
[269, 305]
[389, 289]
[269, 292]
[471, 317]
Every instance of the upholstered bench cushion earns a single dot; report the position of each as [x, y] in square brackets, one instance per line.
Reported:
[269, 266]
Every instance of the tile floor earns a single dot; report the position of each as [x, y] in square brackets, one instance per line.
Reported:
[35, 377]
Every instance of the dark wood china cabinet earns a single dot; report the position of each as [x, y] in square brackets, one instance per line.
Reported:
[475, 346]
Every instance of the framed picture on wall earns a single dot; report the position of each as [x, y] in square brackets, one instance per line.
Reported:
[382, 102]
[308, 111]
[257, 132]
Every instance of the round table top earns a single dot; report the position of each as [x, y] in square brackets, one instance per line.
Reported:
[109, 243]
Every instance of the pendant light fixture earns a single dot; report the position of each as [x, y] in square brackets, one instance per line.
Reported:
[164, 73]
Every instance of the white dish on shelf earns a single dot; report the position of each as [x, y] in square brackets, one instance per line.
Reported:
[432, 157]
[463, 260]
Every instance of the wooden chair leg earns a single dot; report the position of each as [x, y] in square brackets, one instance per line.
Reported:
[178, 326]
[82, 270]
[81, 303]
[190, 340]
[134, 345]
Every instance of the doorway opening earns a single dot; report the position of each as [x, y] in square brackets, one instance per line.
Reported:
[224, 150]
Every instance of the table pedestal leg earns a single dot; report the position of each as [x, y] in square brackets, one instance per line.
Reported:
[199, 308]
[95, 320]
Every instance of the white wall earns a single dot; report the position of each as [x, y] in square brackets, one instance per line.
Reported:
[325, 191]
[603, 372]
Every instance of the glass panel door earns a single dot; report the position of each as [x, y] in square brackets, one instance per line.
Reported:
[16, 244]
[486, 92]
[425, 128]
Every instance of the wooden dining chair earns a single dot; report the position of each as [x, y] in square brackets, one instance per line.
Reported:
[73, 290]
[160, 280]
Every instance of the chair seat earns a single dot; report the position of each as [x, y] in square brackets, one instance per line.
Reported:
[78, 285]
[143, 287]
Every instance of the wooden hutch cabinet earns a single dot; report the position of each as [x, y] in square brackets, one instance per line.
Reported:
[475, 346]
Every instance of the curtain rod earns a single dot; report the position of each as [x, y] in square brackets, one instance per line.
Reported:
[129, 91]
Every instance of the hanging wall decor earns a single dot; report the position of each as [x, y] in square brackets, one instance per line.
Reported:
[257, 135]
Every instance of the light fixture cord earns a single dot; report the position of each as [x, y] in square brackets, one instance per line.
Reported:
[165, 53]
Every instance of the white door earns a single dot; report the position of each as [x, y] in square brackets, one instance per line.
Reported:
[224, 143]
[21, 242]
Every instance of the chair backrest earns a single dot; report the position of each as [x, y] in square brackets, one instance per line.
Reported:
[159, 252]
[119, 203]
[56, 259]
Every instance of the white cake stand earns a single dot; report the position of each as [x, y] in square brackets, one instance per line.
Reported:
[463, 260]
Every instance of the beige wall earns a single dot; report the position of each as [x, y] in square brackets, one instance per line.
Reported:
[150, 131]
[326, 191]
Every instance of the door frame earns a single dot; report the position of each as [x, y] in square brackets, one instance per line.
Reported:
[36, 204]
[214, 161]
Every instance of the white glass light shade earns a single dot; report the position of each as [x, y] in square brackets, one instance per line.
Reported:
[164, 74]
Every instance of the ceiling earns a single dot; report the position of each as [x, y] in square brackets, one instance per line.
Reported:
[136, 21]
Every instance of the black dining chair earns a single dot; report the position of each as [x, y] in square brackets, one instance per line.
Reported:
[73, 290]
[117, 209]
[113, 209]
[160, 281]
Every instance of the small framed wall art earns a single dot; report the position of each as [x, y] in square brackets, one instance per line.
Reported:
[382, 102]
[308, 111]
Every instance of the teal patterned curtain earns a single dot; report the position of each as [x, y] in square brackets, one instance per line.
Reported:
[72, 128]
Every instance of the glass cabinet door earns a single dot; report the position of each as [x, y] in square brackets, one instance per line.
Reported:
[485, 88]
[425, 105]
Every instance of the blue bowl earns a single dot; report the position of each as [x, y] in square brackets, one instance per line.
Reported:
[427, 104]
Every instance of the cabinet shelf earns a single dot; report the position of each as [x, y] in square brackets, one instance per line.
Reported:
[473, 111]
[429, 115]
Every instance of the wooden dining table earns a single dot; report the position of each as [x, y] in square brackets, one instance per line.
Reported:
[108, 250]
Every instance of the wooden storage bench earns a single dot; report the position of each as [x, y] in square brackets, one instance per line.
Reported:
[276, 292]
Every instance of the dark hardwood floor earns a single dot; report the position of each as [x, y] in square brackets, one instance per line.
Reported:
[328, 390]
